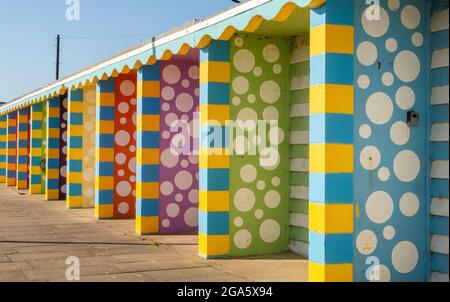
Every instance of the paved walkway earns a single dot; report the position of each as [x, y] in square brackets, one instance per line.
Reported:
[37, 236]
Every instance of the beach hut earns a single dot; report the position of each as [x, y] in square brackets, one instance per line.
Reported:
[315, 126]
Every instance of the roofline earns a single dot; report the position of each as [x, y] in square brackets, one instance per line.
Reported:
[233, 11]
[149, 45]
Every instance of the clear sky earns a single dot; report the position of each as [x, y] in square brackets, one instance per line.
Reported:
[28, 30]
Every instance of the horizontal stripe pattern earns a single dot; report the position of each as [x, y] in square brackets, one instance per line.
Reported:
[214, 175]
[52, 187]
[3, 147]
[331, 142]
[36, 149]
[22, 149]
[439, 153]
[75, 149]
[11, 156]
[104, 155]
[299, 140]
[147, 170]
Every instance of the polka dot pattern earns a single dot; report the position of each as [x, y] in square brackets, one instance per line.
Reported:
[179, 168]
[63, 148]
[258, 186]
[389, 64]
[88, 147]
[125, 147]
[44, 144]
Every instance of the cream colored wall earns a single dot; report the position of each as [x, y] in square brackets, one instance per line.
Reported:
[88, 147]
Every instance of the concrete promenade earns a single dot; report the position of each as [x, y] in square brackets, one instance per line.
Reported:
[37, 236]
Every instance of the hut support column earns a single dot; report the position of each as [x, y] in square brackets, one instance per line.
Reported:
[148, 153]
[36, 149]
[104, 144]
[331, 143]
[75, 149]
[214, 174]
[3, 148]
[53, 145]
[22, 152]
[11, 157]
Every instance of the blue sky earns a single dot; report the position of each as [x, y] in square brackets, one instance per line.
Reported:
[28, 30]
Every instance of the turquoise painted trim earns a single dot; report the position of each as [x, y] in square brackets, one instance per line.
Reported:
[439, 225]
[331, 188]
[439, 39]
[214, 223]
[439, 262]
[439, 151]
[333, 13]
[336, 65]
[331, 128]
[320, 246]
[215, 136]
[146, 141]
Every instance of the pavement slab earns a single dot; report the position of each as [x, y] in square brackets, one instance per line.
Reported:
[38, 236]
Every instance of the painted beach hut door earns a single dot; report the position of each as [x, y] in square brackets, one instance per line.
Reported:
[125, 146]
[179, 144]
[56, 148]
[259, 163]
[43, 161]
[63, 149]
[390, 154]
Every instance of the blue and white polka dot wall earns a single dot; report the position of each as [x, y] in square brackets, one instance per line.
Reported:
[390, 154]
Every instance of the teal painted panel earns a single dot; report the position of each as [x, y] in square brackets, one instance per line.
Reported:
[390, 178]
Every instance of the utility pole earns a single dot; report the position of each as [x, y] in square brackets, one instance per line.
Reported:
[58, 44]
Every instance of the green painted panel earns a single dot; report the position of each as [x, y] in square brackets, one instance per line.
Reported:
[300, 178]
[259, 182]
[300, 123]
[300, 96]
[299, 206]
[299, 151]
[300, 69]
[300, 234]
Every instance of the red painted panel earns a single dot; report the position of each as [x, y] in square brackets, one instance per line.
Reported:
[125, 146]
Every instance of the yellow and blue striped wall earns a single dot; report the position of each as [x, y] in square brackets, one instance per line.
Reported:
[89, 97]
[3, 145]
[331, 142]
[36, 149]
[104, 142]
[11, 157]
[214, 174]
[75, 149]
[53, 144]
[148, 153]
[22, 149]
